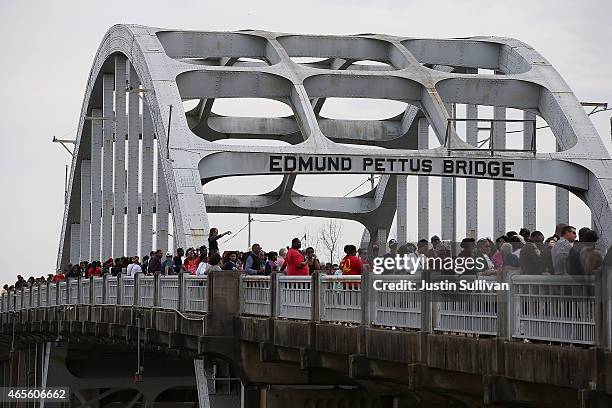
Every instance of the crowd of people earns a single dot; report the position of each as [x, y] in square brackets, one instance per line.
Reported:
[566, 252]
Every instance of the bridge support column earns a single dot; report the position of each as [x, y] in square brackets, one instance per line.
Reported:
[423, 184]
[85, 210]
[75, 243]
[562, 214]
[96, 182]
[146, 217]
[448, 208]
[499, 186]
[134, 129]
[529, 189]
[402, 209]
[107, 171]
[471, 185]
[119, 163]
[162, 208]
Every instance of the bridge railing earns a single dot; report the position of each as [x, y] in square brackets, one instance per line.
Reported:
[183, 293]
[340, 298]
[471, 311]
[555, 308]
[255, 295]
[539, 307]
[561, 309]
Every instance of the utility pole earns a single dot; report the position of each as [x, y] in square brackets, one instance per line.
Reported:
[249, 230]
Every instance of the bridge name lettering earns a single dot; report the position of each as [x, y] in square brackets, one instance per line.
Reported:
[368, 164]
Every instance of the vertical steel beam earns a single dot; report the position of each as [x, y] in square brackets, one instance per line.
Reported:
[85, 210]
[423, 183]
[107, 166]
[401, 221]
[499, 186]
[96, 182]
[146, 218]
[447, 209]
[562, 203]
[471, 185]
[134, 129]
[162, 207]
[119, 168]
[529, 189]
[75, 245]
[381, 239]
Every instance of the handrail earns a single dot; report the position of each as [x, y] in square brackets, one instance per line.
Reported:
[560, 309]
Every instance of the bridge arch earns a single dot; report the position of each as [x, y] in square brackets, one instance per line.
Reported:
[162, 68]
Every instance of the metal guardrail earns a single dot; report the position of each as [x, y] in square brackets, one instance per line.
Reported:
[554, 308]
[183, 293]
[393, 308]
[540, 307]
[255, 295]
[294, 296]
[466, 312]
[340, 298]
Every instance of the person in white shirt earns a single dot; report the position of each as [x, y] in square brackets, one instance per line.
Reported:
[134, 267]
[202, 266]
[214, 263]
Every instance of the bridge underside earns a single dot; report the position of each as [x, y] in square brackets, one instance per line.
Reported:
[133, 112]
[298, 362]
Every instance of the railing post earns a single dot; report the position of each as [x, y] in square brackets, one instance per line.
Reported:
[601, 284]
[104, 288]
[503, 300]
[92, 291]
[156, 289]
[315, 293]
[426, 305]
[273, 293]
[366, 297]
[181, 292]
[119, 299]
[137, 289]
[79, 299]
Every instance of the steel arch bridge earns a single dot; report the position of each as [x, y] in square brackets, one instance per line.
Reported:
[134, 133]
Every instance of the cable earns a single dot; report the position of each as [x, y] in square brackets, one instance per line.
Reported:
[236, 234]
[547, 126]
[288, 219]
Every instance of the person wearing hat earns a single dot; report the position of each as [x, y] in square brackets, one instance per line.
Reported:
[433, 252]
[468, 250]
[168, 265]
[392, 249]
[21, 283]
[391, 254]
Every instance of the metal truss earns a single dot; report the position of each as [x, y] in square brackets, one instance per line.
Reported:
[165, 67]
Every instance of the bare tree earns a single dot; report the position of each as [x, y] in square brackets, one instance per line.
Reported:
[330, 234]
[312, 238]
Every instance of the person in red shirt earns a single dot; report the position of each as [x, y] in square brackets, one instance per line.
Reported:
[351, 264]
[295, 263]
[94, 269]
[191, 262]
[59, 276]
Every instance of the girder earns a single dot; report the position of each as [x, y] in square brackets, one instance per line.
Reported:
[430, 75]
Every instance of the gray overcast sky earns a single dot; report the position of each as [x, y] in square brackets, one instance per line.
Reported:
[48, 48]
